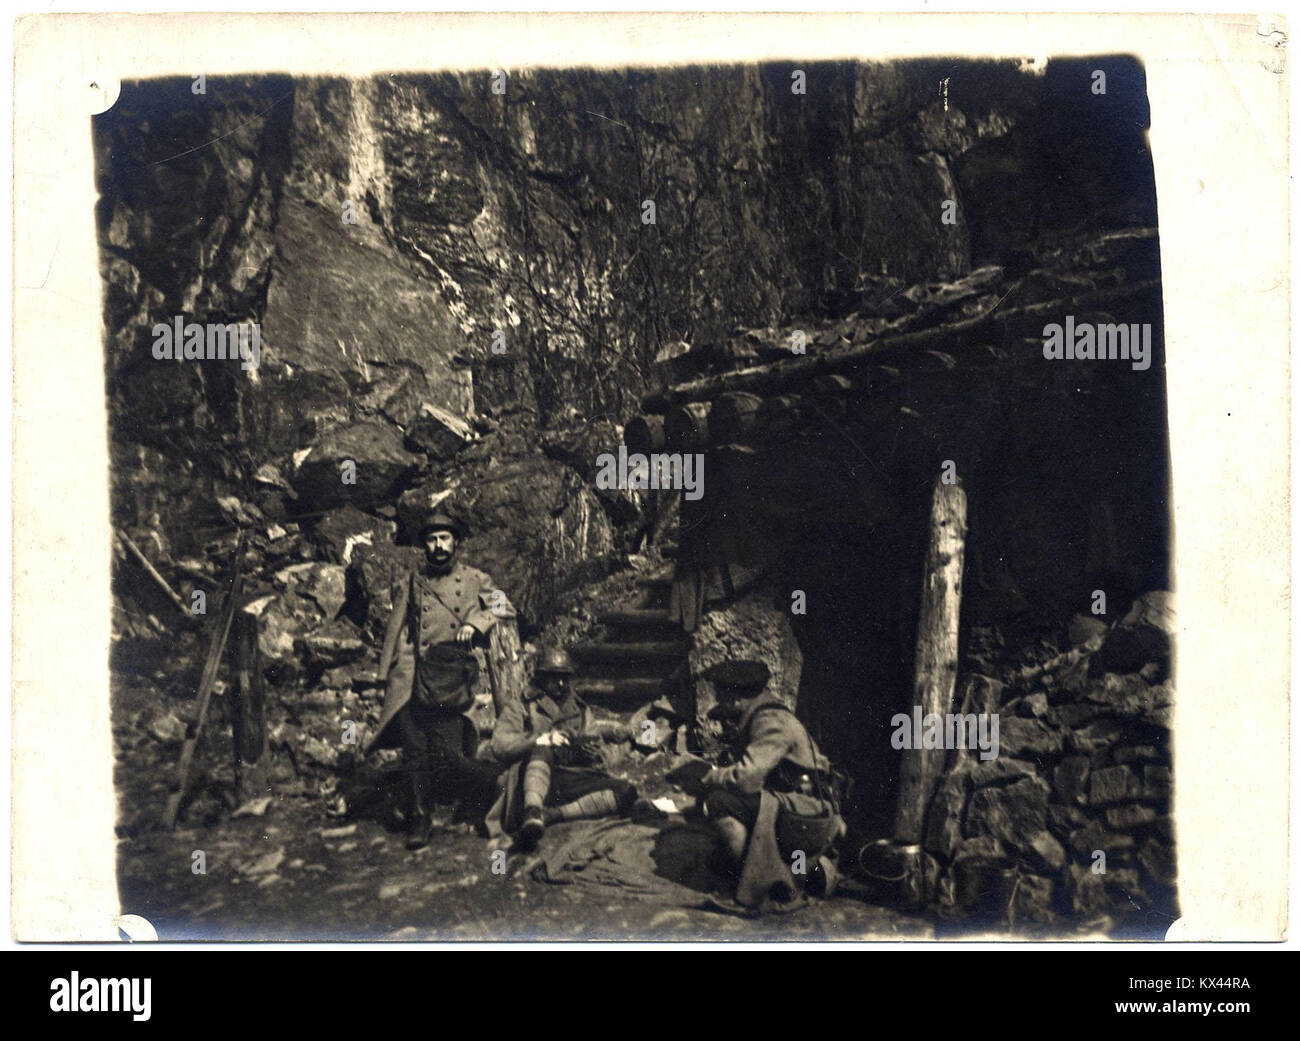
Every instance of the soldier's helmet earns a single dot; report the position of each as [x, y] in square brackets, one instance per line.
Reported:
[554, 660]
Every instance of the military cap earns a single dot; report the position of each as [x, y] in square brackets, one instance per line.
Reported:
[440, 521]
[740, 674]
[556, 660]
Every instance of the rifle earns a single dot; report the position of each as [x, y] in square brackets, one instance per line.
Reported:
[206, 680]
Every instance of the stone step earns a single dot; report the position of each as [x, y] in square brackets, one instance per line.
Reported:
[636, 690]
[661, 652]
[636, 618]
[661, 579]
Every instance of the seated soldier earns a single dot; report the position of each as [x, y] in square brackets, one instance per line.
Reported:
[772, 755]
[554, 747]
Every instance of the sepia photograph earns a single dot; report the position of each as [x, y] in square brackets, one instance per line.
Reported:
[703, 501]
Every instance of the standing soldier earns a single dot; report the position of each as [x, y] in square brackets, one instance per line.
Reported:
[439, 612]
[779, 796]
[554, 747]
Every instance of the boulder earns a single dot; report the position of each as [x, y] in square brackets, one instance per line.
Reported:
[1157, 782]
[1086, 891]
[437, 433]
[1158, 861]
[1092, 837]
[338, 643]
[1046, 851]
[1070, 779]
[323, 584]
[1015, 813]
[1145, 634]
[943, 825]
[536, 527]
[1063, 819]
[993, 771]
[1027, 737]
[382, 466]
[280, 620]
[340, 531]
[1130, 816]
[1114, 784]
[1123, 695]
[1032, 899]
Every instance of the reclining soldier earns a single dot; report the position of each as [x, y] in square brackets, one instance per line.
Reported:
[772, 755]
[439, 612]
[554, 747]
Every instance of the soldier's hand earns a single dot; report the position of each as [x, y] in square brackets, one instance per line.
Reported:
[465, 634]
[688, 773]
[586, 749]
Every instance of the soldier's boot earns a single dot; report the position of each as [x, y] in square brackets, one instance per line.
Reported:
[734, 836]
[421, 827]
[531, 830]
[537, 785]
[824, 878]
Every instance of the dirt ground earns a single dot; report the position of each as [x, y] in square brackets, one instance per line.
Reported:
[295, 874]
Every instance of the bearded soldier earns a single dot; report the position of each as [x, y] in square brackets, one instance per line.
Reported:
[440, 612]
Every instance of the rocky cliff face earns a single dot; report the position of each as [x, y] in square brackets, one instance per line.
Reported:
[406, 241]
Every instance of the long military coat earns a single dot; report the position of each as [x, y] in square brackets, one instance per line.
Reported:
[428, 610]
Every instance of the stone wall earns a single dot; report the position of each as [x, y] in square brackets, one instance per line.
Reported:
[1071, 821]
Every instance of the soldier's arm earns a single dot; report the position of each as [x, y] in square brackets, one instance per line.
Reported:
[511, 740]
[768, 745]
[612, 730]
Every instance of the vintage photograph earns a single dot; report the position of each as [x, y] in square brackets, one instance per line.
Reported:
[657, 503]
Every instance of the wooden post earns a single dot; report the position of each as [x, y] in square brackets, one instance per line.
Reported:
[248, 710]
[506, 672]
[936, 654]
